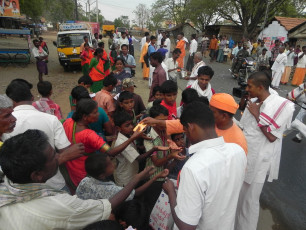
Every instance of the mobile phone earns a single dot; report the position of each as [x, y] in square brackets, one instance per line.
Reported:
[141, 126]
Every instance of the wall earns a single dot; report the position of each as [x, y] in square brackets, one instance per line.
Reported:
[273, 32]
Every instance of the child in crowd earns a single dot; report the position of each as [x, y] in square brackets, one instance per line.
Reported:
[226, 52]
[45, 104]
[157, 94]
[176, 166]
[100, 168]
[188, 95]
[169, 91]
[126, 103]
[104, 97]
[84, 81]
[128, 160]
[159, 159]
[112, 56]
[43, 45]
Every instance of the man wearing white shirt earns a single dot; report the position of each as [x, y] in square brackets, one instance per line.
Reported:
[172, 65]
[198, 62]
[192, 50]
[211, 179]
[30, 118]
[28, 161]
[159, 38]
[167, 44]
[143, 40]
[123, 40]
[278, 67]
[263, 123]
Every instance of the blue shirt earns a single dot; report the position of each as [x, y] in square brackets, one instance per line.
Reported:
[97, 126]
[151, 49]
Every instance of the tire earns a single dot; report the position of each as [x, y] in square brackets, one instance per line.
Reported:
[21, 60]
[5, 59]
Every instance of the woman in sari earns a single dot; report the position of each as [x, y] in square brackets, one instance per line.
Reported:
[181, 45]
[86, 57]
[96, 70]
[120, 74]
[78, 131]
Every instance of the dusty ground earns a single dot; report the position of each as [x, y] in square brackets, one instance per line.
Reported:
[62, 81]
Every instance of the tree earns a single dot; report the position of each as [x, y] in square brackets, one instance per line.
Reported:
[32, 8]
[122, 21]
[203, 12]
[59, 10]
[292, 8]
[142, 15]
[249, 14]
[156, 17]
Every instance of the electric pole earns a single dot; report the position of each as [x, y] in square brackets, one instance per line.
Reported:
[89, 10]
[76, 10]
[97, 10]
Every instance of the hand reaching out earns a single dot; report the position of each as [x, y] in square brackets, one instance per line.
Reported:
[168, 186]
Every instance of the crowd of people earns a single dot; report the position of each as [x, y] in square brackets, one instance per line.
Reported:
[105, 165]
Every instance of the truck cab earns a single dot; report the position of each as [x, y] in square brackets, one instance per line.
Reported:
[69, 39]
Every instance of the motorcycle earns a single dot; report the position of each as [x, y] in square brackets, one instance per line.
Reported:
[247, 67]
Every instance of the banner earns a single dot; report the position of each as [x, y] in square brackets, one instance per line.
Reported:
[9, 8]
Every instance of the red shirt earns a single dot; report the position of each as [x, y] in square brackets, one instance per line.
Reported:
[172, 110]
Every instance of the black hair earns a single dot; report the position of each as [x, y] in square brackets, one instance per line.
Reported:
[206, 70]
[105, 225]
[146, 34]
[133, 213]
[35, 40]
[84, 107]
[122, 33]
[264, 49]
[174, 135]
[261, 79]
[98, 51]
[169, 86]
[44, 88]
[152, 37]
[110, 80]
[193, 36]
[86, 80]
[19, 91]
[41, 38]
[96, 164]
[198, 113]
[125, 45]
[23, 81]
[120, 117]
[85, 37]
[189, 95]
[176, 50]
[156, 110]
[79, 92]
[95, 33]
[100, 36]
[125, 95]
[119, 59]
[157, 56]
[156, 89]
[204, 100]
[182, 33]
[303, 47]
[157, 102]
[101, 44]
[24, 154]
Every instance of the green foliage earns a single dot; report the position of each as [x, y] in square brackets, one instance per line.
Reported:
[156, 18]
[59, 10]
[122, 21]
[32, 8]
[292, 8]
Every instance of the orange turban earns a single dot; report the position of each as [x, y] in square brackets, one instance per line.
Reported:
[225, 102]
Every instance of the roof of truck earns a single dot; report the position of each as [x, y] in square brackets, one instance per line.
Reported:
[74, 32]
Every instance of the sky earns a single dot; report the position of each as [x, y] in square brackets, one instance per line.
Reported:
[112, 9]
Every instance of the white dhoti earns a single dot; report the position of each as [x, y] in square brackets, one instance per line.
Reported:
[298, 123]
[276, 77]
[248, 206]
[151, 75]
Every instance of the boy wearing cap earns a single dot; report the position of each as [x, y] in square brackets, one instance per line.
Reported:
[224, 107]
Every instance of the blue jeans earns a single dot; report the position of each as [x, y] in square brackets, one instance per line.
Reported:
[220, 55]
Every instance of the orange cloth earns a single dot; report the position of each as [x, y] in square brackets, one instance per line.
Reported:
[87, 56]
[213, 44]
[231, 135]
[145, 69]
[181, 45]
[286, 74]
[97, 73]
[234, 135]
[298, 76]
[225, 102]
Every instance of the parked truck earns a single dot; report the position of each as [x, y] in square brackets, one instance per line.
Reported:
[69, 39]
[108, 30]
